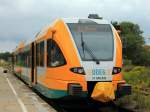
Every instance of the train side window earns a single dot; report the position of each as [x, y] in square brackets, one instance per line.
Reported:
[55, 57]
[27, 58]
[15, 59]
[42, 53]
[37, 54]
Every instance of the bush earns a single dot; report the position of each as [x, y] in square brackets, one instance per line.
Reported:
[139, 69]
[139, 78]
[127, 62]
[128, 68]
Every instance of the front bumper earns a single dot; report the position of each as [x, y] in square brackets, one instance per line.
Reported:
[122, 90]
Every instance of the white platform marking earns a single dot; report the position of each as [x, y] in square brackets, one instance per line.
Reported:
[24, 109]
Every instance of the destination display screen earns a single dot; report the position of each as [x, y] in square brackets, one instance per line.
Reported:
[91, 28]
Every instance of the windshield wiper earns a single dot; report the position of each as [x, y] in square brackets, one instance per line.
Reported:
[85, 47]
[82, 44]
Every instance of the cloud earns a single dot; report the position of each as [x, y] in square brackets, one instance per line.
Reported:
[22, 19]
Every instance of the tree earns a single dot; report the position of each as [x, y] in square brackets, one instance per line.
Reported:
[131, 35]
[5, 56]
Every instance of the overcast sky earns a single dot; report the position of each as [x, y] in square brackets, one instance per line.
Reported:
[22, 19]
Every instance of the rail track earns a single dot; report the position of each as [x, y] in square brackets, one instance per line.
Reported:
[83, 105]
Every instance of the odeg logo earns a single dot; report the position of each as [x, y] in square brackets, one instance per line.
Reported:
[98, 72]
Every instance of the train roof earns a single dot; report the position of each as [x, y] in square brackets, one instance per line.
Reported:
[70, 20]
[85, 20]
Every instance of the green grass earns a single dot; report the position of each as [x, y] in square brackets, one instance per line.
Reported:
[6, 65]
[3, 63]
[139, 78]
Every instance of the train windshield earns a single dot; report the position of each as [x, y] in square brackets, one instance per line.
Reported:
[94, 41]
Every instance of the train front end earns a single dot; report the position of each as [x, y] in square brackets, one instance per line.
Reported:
[100, 54]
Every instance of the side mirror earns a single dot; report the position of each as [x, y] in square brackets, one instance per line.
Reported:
[118, 31]
[118, 28]
[53, 33]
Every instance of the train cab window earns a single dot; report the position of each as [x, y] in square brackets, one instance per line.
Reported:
[55, 57]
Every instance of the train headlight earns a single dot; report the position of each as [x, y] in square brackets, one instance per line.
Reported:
[78, 70]
[116, 70]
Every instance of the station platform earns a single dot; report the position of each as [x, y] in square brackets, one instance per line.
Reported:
[15, 96]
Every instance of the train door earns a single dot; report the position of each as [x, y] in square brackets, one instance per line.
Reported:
[40, 67]
[32, 63]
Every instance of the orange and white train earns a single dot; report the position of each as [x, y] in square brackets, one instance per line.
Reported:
[74, 57]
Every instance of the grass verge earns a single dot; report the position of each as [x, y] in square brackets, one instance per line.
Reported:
[139, 78]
